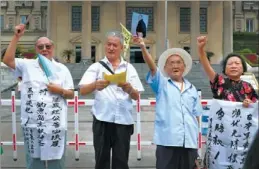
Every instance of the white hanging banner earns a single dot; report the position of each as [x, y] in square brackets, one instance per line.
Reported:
[231, 131]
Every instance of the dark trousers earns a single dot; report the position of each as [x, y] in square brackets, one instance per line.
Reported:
[107, 136]
[175, 157]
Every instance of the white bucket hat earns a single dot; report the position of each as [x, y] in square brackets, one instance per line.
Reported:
[175, 51]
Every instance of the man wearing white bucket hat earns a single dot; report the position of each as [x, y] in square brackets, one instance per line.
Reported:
[177, 108]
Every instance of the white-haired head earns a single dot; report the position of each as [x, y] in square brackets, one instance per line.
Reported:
[116, 34]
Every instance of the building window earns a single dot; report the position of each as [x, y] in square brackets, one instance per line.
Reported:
[1, 22]
[143, 10]
[185, 20]
[95, 18]
[249, 25]
[23, 19]
[136, 55]
[76, 18]
[203, 20]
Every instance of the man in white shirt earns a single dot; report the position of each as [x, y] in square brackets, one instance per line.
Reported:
[112, 110]
[43, 103]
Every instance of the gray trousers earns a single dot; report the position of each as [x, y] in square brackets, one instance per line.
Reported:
[36, 163]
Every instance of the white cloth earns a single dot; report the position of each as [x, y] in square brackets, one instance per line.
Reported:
[231, 131]
[43, 114]
[112, 104]
[180, 85]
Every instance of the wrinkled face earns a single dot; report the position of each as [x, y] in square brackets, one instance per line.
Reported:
[234, 68]
[113, 48]
[45, 47]
[174, 67]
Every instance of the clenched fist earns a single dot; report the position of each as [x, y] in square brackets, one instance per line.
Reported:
[19, 30]
[201, 41]
[138, 41]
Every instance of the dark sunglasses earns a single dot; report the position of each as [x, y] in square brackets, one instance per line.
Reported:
[41, 47]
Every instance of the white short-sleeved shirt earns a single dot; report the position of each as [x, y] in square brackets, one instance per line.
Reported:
[112, 104]
[34, 91]
[43, 114]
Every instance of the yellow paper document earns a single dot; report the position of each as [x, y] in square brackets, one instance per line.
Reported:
[116, 78]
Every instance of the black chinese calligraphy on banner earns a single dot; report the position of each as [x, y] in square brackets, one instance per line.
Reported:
[43, 122]
[231, 130]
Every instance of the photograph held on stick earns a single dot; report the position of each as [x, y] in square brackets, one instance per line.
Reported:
[139, 24]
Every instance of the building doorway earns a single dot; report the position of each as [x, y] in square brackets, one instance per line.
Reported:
[78, 55]
[136, 55]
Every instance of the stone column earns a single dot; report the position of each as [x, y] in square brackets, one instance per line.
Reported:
[160, 26]
[36, 13]
[172, 20]
[121, 18]
[86, 31]
[49, 16]
[195, 28]
[215, 28]
[121, 13]
[52, 23]
[239, 17]
[227, 28]
[11, 15]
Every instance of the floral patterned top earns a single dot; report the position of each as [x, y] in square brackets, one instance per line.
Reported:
[230, 90]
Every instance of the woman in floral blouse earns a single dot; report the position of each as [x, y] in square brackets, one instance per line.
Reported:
[230, 88]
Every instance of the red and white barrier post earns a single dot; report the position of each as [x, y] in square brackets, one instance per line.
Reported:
[138, 129]
[200, 133]
[88, 102]
[14, 126]
[76, 126]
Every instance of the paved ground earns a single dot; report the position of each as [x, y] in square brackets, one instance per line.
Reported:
[86, 152]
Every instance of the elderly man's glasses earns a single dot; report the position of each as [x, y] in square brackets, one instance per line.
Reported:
[41, 47]
[174, 63]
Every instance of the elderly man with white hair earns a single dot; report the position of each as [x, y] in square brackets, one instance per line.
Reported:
[43, 103]
[177, 108]
[112, 109]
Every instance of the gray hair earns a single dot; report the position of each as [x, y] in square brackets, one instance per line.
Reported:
[36, 40]
[117, 34]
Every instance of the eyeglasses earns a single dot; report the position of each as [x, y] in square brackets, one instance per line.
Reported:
[47, 46]
[170, 64]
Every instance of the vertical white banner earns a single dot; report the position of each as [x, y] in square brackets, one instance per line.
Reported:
[231, 131]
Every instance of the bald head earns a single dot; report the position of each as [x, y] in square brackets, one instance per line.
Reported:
[44, 46]
[43, 39]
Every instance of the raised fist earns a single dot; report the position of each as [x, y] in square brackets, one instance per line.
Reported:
[138, 41]
[201, 41]
[19, 30]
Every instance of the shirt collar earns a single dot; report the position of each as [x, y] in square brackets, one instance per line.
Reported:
[123, 62]
[186, 82]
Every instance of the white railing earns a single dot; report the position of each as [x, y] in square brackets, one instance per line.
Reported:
[76, 103]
